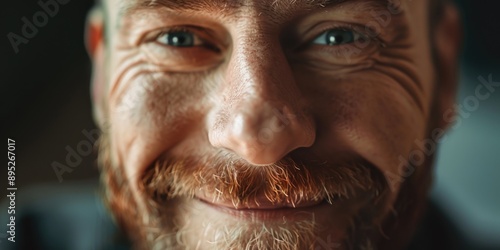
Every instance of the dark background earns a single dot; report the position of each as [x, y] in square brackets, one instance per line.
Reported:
[45, 90]
[45, 86]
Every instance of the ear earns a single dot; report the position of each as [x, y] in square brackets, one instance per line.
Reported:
[447, 43]
[95, 45]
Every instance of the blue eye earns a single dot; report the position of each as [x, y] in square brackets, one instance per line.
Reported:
[179, 39]
[336, 37]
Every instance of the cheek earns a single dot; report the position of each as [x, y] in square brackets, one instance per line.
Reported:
[388, 122]
[151, 115]
[366, 114]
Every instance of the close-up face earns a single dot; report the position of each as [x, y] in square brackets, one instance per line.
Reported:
[256, 124]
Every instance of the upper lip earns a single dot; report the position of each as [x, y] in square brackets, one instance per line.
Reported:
[258, 203]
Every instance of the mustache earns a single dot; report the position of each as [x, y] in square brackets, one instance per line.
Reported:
[291, 180]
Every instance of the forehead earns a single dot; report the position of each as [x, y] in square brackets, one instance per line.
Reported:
[207, 5]
[122, 8]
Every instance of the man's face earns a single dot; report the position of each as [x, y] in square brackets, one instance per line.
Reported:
[264, 124]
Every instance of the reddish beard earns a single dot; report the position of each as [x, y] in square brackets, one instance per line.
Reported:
[292, 180]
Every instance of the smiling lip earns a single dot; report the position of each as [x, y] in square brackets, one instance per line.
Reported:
[261, 202]
[265, 210]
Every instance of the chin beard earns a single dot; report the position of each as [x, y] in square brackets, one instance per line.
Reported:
[160, 219]
[231, 234]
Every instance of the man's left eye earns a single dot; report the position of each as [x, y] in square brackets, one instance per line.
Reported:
[179, 39]
[336, 37]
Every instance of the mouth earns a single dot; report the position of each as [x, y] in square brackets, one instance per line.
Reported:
[265, 210]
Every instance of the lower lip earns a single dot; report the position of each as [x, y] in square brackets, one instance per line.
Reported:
[285, 213]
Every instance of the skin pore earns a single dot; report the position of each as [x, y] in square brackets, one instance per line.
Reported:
[268, 124]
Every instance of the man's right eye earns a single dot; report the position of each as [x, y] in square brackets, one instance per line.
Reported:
[182, 49]
[337, 37]
[179, 39]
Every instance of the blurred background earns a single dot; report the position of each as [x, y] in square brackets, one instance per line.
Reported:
[46, 109]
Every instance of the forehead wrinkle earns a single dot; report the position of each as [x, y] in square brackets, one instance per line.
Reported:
[316, 4]
[275, 11]
[277, 6]
[221, 7]
[281, 4]
[183, 5]
[283, 10]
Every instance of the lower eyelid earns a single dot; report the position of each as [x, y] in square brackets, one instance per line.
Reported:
[180, 59]
[342, 54]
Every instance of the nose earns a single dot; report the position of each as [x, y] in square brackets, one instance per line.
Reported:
[259, 114]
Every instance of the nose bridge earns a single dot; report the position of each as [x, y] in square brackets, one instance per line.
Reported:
[258, 71]
[258, 65]
[259, 115]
